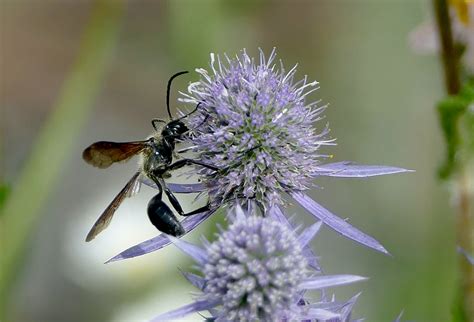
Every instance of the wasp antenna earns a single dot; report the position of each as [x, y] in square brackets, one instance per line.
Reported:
[154, 121]
[168, 91]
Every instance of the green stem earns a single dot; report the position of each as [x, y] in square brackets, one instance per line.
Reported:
[54, 145]
[464, 224]
[465, 241]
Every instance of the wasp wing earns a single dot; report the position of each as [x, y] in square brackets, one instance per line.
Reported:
[134, 189]
[106, 217]
[102, 154]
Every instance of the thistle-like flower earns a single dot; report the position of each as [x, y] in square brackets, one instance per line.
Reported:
[253, 122]
[257, 270]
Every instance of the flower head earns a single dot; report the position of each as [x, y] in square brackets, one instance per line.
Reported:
[255, 270]
[255, 267]
[254, 123]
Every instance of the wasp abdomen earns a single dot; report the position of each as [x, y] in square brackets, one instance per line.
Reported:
[163, 218]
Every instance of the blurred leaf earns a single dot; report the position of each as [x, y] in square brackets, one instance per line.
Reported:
[449, 111]
[4, 192]
[458, 313]
[469, 129]
[457, 124]
[466, 125]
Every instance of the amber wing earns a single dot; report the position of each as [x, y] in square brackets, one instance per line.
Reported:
[106, 217]
[102, 154]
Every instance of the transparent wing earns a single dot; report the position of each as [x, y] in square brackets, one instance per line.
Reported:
[106, 217]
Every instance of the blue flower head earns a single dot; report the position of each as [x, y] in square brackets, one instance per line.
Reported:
[254, 123]
[257, 269]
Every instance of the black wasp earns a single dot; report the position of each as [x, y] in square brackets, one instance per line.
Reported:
[157, 162]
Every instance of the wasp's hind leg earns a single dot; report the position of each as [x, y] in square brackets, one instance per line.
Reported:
[174, 201]
[198, 211]
[161, 215]
[176, 205]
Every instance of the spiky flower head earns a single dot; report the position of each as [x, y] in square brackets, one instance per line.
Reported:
[255, 267]
[258, 270]
[253, 122]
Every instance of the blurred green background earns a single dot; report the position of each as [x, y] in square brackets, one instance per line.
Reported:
[106, 64]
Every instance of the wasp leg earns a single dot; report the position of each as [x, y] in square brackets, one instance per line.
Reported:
[199, 210]
[174, 201]
[184, 162]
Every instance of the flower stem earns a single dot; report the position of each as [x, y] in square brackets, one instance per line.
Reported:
[448, 50]
[464, 239]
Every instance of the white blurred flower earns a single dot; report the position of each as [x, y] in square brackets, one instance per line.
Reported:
[424, 38]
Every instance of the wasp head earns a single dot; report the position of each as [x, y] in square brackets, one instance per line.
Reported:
[174, 129]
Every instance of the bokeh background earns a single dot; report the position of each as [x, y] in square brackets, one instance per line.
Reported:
[381, 111]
